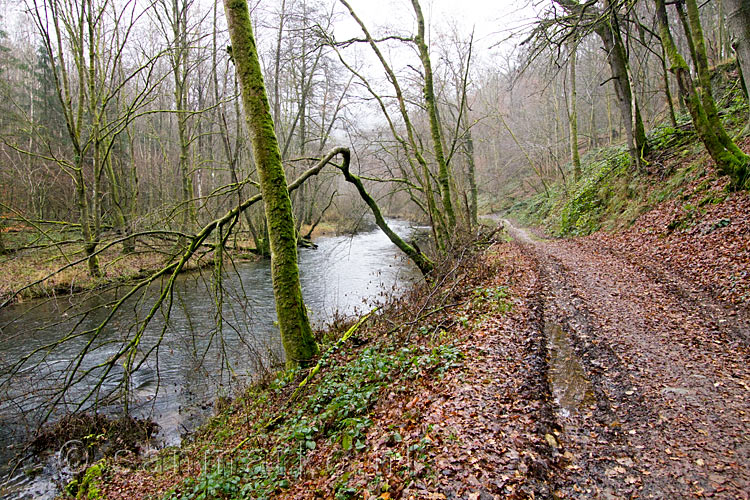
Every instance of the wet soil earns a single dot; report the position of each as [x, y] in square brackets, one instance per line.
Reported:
[664, 411]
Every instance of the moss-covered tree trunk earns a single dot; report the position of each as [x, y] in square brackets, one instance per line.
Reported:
[727, 162]
[573, 117]
[294, 324]
[121, 202]
[444, 177]
[87, 230]
[697, 45]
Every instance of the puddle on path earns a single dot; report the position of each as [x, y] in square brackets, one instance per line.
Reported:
[570, 387]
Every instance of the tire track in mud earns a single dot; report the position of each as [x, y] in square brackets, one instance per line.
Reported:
[668, 415]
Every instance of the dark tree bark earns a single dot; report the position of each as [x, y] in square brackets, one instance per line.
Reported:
[667, 90]
[3, 250]
[738, 19]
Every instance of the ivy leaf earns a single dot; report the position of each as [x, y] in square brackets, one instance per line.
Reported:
[346, 442]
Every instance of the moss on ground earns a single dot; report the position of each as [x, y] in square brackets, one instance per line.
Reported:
[89, 487]
[610, 195]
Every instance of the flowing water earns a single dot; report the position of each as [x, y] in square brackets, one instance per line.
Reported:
[196, 355]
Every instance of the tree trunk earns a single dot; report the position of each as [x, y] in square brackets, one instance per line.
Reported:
[444, 177]
[726, 162]
[697, 44]
[91, 219]
[593, 139]
[296, 334]
[132, 201]
[413, 147]
[120, 203]
[610, 121]
[667, 90]
[277, 70]
[3, 250]
[89, 241]
[573, 117]
[472, 175]
[180, 72]
[629, 109]
[232, 156]
[738, 19]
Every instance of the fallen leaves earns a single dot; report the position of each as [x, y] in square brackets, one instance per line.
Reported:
[715, 240]
[666, 358]
[670, 415]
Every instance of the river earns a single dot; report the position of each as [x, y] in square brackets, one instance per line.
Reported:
[199, 355]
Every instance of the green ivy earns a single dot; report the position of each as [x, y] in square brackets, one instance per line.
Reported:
[582, 213]
[496, 297]
[337, 411]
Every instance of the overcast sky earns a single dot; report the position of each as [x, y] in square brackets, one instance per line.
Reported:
[493, 20]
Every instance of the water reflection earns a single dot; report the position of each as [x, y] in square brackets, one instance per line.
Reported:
[188, 353]
[570, 387]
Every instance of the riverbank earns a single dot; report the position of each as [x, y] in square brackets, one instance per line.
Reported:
[346, 275]
[49, 270]
[536, 368]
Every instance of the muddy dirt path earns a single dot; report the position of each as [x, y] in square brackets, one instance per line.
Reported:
[650, 375]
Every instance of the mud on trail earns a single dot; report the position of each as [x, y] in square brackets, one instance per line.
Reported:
[651, 377]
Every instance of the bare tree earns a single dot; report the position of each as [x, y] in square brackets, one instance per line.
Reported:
[582, 18]
[90, 38]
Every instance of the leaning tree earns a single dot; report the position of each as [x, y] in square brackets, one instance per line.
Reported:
[294, 324]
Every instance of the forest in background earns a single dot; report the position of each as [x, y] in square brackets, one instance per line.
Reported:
[132, 122]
